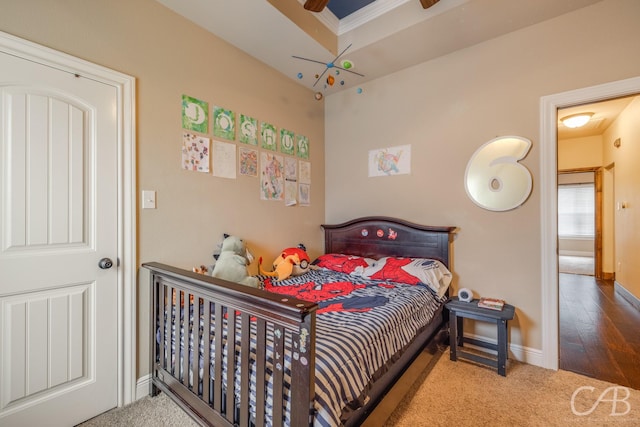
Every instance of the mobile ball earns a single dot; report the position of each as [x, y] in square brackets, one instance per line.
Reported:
[346, 64]
[300, 75]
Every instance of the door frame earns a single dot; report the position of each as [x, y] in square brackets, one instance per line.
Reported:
[126, 251]
[549, 106]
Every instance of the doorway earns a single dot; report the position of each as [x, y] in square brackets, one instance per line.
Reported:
[52, 214]
[549, 167]
[593, 320]
[579, 216]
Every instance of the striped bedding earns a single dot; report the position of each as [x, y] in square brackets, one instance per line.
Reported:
[361, 325]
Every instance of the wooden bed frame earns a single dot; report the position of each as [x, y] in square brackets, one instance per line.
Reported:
[284, 321]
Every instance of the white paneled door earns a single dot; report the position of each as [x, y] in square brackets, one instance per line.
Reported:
[58, 231]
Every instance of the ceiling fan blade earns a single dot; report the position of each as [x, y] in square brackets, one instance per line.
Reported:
[315, 5]
[426, 4]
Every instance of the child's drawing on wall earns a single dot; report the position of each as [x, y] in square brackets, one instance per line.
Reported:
[272, 176]
[390, 161]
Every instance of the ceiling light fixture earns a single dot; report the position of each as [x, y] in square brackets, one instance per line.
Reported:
[576, 120]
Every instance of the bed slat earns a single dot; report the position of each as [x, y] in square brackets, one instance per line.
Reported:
[261, 356]
[175, 325]
[184, 303]
[245, 355]
[302, 380]
[217, 362]
[231, 363]
[206, 339]
[277, 373]
[160, 301]
[195, 325]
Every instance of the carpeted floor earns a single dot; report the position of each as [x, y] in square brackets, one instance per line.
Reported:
[159, 411]
[461, 394]
[465, 394]
[576, 265]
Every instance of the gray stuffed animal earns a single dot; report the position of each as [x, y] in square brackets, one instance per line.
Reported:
[232, 262]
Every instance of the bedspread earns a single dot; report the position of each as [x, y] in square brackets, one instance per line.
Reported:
[361, 327]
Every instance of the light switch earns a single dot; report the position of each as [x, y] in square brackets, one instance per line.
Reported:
[148, 199]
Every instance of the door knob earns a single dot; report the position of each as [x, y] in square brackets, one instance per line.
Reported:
[105, 263]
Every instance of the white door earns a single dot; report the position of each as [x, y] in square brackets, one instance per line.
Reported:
[58, 219]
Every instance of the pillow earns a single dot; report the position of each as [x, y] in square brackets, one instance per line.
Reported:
[412, 271]
[343, 263]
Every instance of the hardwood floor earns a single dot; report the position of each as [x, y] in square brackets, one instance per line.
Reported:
[598, 331]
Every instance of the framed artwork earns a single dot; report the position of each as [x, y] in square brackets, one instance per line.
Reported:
[248, 133]
[269, 137]
[287, 143]
[195, 114]
[303, 146]
[224, 123]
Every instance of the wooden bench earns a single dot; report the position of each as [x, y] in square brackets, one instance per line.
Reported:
[458, 311]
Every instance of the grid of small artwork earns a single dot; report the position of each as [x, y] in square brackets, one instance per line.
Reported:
[225, 143]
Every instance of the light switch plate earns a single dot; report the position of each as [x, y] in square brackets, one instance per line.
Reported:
[148, 199]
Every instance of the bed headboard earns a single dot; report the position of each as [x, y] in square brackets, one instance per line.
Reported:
[379, 236]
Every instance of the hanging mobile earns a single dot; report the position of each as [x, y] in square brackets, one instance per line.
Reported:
[346, 65]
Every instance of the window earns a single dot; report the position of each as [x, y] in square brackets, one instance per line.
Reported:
[576, 210]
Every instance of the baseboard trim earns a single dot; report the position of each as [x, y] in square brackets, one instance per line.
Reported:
[628, 296]
[531, 356]
[576, 253]
[142, 386]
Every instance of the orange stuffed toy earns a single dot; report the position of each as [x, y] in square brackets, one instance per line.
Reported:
[290, 262]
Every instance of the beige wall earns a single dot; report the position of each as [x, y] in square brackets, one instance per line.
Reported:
[169, 57]
[626, 178]
[578, 153]
[445, 108]
[448, 107]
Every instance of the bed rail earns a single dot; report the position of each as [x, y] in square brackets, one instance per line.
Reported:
[200, 321]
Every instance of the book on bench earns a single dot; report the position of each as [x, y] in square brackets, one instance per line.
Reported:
[491, 303]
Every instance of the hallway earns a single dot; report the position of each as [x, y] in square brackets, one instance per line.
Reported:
[576, 265]
[598, 331]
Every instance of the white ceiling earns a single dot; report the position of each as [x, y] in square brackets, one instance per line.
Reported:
[604, 113]
[385, 37]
